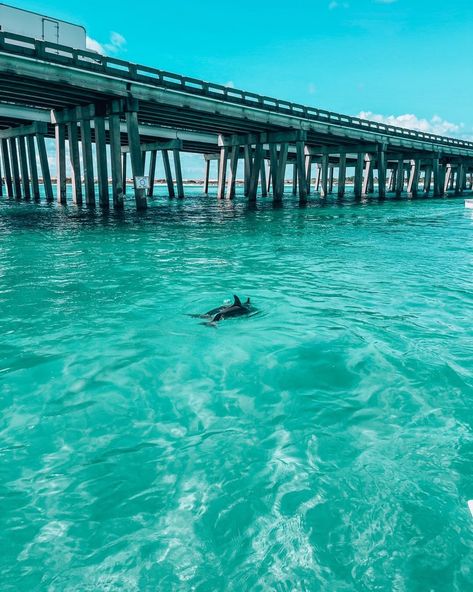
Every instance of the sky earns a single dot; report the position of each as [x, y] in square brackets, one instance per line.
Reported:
[408, 62]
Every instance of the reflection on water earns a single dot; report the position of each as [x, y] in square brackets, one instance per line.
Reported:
[324, 444]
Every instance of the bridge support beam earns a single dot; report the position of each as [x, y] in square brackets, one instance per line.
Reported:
[399, 188]
[255, 172]
[368, 175]
[168, 174]
[6, 167]
[206, 176]
[115, 157]
[87, 156]
[381, 171]
[230, 193]
[15, 169]
[436, 175]
[358, 186]
[73, 137]
[414, 174]
[247, 168]
[222, 172]
[460, 179]
[428, 179]
[324, 174]
[136, 158]
[25, 180]
[44, 164]
[301, 173]
[33, 168]
[342, 175]
[264, 180]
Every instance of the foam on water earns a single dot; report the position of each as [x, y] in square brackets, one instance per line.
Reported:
[323, 444]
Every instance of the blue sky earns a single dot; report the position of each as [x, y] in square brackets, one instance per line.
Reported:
[409, 62]
[410, 58]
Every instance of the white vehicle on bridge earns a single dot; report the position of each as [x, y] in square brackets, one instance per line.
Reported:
[44, 28]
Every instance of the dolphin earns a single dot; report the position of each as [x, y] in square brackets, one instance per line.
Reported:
[226, 311]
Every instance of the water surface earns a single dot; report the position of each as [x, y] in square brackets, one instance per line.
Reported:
[324, 444]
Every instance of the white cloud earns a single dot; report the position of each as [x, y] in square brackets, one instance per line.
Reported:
[116, 44]
[94, 45]
[312, 89]
[229, 84]
[436, 125]
[334, 4]
[385, 1]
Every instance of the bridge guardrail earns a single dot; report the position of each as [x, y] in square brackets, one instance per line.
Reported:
[92, 61]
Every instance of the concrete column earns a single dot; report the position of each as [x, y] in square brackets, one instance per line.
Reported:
[428, 179]
[382, 171]
[294, 179]
[269, 176]
[371, 177]
[6, 167]
[247, 169]
[101, 158]
[152, 172]
[330, 178]
[222, 172]
[400, 177]
[368, 173]
[308, 169]
[87, 156]
[324, 173]
[318, 176]
[135, 152]
[60, 135]
[206, 177]
[264, 182]
[358, 188]
[448, 176]
[25, 179]
[459, 181]
[413, 184]
[15, 169]
[74, 158]
[230, 194]
[436, 174]
[255, 172]
[168, 174]
[116, 159]
[177, 167]
[302, 178]
[273, 159]
[124, 172]
[342, 174]
[282, 162]
[44, 164]
[33, 168]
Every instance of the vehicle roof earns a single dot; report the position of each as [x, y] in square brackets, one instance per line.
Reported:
[44, 15]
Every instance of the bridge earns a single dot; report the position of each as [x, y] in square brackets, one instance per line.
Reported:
[116, 117]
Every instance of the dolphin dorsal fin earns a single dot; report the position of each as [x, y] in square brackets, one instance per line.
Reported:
[237, 301]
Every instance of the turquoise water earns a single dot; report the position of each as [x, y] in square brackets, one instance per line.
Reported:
[323, 444]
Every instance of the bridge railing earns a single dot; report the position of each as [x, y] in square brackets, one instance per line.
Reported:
[95, 62]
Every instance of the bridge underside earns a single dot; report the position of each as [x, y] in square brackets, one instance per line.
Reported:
[107, 120]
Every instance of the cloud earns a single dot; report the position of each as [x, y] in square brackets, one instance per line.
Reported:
[384, 1]
[116, 44]
[311, 88]
[436, 125]
[229, 84]
[94, 45]
[334, 4]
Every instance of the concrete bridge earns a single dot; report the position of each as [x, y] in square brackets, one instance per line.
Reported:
[129, 111]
